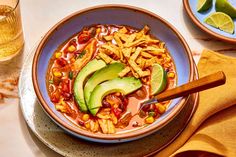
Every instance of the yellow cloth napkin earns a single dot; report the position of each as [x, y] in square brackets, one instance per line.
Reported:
[212, 128]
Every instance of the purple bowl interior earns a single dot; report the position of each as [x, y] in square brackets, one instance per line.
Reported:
[118, 16]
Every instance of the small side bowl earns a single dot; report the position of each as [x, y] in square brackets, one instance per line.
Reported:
[119, 15]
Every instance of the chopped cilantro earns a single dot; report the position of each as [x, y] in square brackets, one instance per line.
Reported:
[151, 114]
[81, 54]
[71, 75]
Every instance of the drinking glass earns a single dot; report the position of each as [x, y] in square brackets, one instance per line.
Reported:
[11, 34]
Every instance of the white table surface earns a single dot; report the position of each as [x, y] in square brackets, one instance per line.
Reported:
[16, 139]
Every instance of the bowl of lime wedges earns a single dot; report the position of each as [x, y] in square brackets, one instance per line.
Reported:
[215, 17]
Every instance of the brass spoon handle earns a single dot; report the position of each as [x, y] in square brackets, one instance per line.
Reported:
[201, 84]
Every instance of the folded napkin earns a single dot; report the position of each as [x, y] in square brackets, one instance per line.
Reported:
[212, 129]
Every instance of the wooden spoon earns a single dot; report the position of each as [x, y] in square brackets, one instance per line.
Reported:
[201, 84]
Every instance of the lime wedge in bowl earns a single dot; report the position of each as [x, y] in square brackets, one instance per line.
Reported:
[158, 79]
[221, 21]
[225, 7]
[203, 5]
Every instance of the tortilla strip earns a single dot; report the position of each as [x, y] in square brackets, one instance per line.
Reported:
[125, 71]
[142, 64]
[103, 125]
[153, 50]
[134, 73]
[156, 53]
[135, 67]
[112, 49]
[139, 60]
[123, 30]
[135, 43]
[123, 37]
[162, 45]
[146, 55]
[102, 50]
[145, 73]
[150, 40]
[142, 32]
[110, 127]
[127, 52]
[136, 54]
[151, 61]
[106, 58]
[118, 41]
[118, 50]
[108, 37]
[130, 38]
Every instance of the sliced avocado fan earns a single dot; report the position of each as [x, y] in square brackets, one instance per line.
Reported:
[87, 70]
[124, 85]
[109, 72]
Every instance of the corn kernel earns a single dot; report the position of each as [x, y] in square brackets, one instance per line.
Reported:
[71, 48]
[98, 30]
[62, 102]
[87, 125]
[60, 108]
[161, 108]
[171, 75]
[149, 120]
[58, 54]
[168, 59]
[85, 117]
[57, 74]
[163, 55]
[72, 60]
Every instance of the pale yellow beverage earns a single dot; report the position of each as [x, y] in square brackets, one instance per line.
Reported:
[11, 35]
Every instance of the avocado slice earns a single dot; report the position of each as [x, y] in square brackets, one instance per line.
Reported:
[124, 85]
[89, 68]
[109, 72]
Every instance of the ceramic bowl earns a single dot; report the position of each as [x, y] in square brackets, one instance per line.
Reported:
[198, 19]
[119, 15]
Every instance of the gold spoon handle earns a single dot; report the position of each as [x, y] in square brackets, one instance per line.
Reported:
[201, 84]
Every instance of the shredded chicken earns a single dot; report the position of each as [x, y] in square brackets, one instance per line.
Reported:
[89, 51]
[107, 126]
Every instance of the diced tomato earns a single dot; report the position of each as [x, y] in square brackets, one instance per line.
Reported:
[124, 103]
[145, 108]
[61, 61]
[84, 37]
[55, 97]
[81, 123]
[73, 42]
[66, 89]
[117, 112]
[141, 93]
[67, 96]
[65, 86]
[105, 104]
[152, 107]
[92, 31]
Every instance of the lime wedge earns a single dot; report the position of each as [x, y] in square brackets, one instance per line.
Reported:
[225, 7]
[222, 21]
[203, 5]
[158, 79]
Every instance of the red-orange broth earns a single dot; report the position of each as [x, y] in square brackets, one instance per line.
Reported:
[61, 75]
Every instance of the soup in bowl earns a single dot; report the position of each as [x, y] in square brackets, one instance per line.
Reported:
[91, 73]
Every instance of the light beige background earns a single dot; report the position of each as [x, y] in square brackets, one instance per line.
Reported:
[38, 16]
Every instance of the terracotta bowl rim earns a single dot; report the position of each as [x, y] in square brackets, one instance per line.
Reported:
[129, 135]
